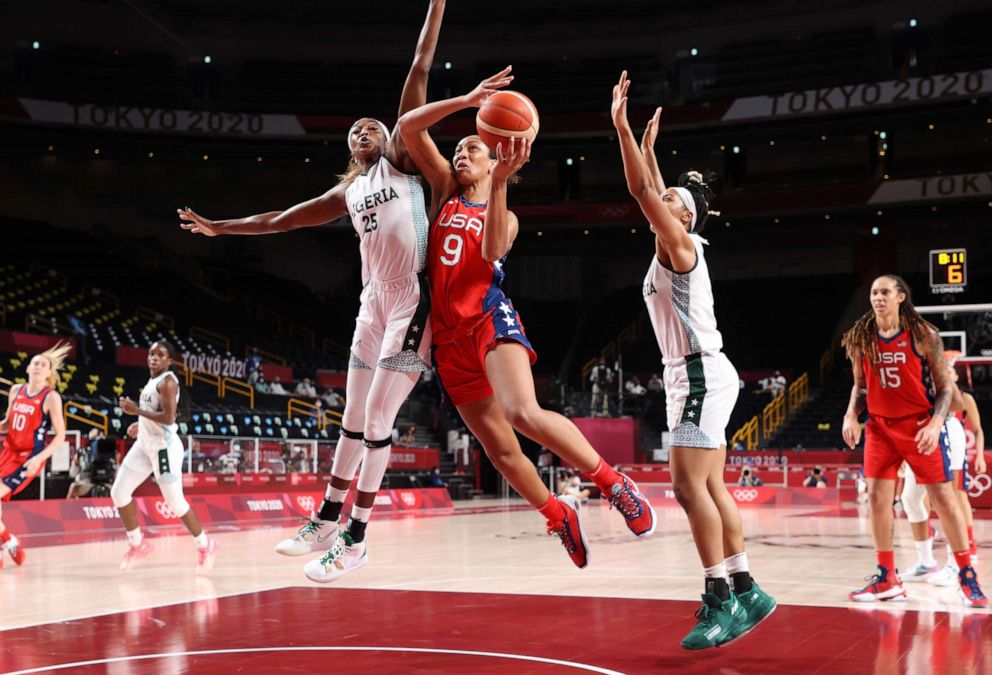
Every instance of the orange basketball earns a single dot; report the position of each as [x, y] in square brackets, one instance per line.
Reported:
[507, 114]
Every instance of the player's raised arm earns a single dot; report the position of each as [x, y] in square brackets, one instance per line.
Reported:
[415, 88]
[413, 126]
[501, 223]
[671, 233]
[317, 211]
[647, 149]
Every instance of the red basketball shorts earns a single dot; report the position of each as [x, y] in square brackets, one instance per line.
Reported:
[13, 473]
[889, 442]
[461, 364]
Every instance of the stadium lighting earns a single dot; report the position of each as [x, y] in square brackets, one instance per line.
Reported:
[568, 161]
[35, 45]
[882, 135]
[151, 155]
[540, 234]
[585, 231]
[874, 231]
[447, 65]
[693, 52]
[207, 59]
[912, 23]
[96, 151]
[737, 150]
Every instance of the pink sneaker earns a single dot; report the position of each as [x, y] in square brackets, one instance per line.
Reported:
[136, 553]
[207, 556]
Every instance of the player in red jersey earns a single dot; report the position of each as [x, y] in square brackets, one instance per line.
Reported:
[900, 379]
[483, 355]
[32, 409]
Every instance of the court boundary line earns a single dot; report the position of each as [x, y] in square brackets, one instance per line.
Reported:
[250, 650]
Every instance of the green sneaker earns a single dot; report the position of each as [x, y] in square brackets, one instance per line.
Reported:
[757, 605]
[717, 624]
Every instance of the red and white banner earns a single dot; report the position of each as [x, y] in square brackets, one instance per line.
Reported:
[59, 516]
[859, 97]
[756, 496]
[414, 458]
[932, 188]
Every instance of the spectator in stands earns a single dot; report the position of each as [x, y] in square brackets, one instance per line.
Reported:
[816, 478]
[635, 394]
[749, 478]
[333, 399]
[80, 332]
[436, 480]
[655, 385]
[777, 383]
[602, 378]
[306, 388]
[571, 485]
[261, 386]
[79, 468]
[277, 387]
[409, 438]
[254, 363]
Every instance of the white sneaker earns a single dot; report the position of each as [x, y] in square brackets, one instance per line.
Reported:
[946, 577]
[314, 535]
[920, 572]
[343, 557]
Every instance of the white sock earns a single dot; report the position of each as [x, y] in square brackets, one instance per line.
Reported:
[737, 563]
[924, 552]
[718, 571]
[201, 539]
[134, 537]
[358, 513]
[335, 495]
[951, 562]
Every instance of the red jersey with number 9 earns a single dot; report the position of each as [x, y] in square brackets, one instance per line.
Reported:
[28, 422]
[465, 287]
[900, 384]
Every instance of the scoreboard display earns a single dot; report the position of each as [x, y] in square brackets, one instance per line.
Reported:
[948, 270]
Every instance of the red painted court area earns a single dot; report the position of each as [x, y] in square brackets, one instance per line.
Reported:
[352, 630]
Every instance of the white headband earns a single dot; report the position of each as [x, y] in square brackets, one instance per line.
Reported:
[385, 129]
[689, 204]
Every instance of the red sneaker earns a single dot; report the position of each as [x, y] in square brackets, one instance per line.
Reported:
[971, 592]
[206, 557]
[633, 506]
[136, 553]
[15, 550]
[570, 531]
[882, 586]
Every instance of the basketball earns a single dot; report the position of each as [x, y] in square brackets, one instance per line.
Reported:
[507, 114]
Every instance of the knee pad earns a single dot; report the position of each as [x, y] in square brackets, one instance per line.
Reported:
[913, 496]
[171, 487]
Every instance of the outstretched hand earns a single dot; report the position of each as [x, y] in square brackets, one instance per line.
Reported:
[618, 111]
[197, 224]
[651, 131]
[511, 161]
[489, 86]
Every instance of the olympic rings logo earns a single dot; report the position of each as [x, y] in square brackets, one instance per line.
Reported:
[745, 495]
[306, 502]
[979, 484]
[165, 510]
[614, 212]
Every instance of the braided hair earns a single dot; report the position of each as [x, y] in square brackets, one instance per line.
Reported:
[862, 337]
[700, 187]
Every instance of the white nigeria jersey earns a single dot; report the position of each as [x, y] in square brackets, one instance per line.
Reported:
[389, 214]
[681, 307]
[153, 435]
